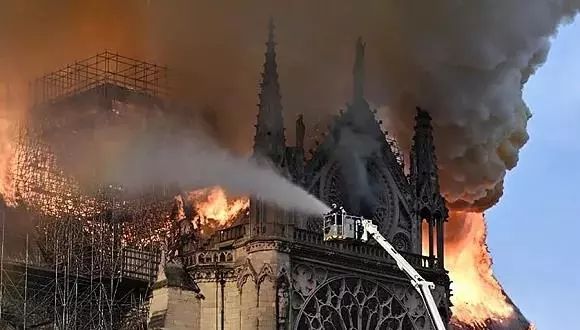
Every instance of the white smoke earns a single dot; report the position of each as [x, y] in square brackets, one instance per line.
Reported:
[193, 161]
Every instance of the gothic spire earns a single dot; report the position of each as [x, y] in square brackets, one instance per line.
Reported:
[271, 43]
[269, 140]
[358, 70]
[424, 171]
[430, 205]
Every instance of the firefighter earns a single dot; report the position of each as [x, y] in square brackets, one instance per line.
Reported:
[339, 215]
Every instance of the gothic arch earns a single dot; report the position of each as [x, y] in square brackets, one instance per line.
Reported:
[351, 302]
[387, 199]
[246, 272]
[332, 189]
[265, 272]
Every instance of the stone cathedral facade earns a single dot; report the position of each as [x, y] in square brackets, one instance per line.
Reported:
[271, 269]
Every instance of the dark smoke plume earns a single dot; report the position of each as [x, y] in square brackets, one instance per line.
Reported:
[465, 61]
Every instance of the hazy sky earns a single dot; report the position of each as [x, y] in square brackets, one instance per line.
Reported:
[534, 231]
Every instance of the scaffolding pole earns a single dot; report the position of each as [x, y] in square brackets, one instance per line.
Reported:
[90, 246]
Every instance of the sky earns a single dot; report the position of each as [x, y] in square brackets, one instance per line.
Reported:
[534, 231]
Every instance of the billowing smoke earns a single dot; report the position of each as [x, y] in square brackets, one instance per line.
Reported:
[193, 161]
[463, 61]
[467, 63]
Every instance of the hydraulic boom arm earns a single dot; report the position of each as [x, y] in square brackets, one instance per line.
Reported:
[422, 286]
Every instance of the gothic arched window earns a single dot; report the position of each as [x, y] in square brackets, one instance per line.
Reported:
[381, 199]
[355, 303]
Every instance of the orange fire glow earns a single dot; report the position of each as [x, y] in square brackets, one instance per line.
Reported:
[215, 209]
[7, 161]
[477, 295]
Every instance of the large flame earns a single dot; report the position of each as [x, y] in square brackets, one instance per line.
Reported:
[215, 209]
[477, 295]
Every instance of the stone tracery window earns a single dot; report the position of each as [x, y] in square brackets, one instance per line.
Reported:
[384, 213]
[351, 303]
[385, 209]
[381, 213]
[334, 187]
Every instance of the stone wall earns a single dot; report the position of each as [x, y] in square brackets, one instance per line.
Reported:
[174, 308]
[266, 286]
[249, 291]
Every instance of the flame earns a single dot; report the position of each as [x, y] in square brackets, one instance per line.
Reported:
[7, 161]
[477, 295]
[215, 209]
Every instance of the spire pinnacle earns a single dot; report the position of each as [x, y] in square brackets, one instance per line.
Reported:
[269, 140]
[424, 170]
[358, 70]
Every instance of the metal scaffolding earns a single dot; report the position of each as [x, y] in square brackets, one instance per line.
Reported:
[94, 255]
[64, 281]
[103, 69]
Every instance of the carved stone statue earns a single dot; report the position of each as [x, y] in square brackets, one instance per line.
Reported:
[282, 302]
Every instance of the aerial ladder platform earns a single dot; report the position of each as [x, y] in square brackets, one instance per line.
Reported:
[338, 225]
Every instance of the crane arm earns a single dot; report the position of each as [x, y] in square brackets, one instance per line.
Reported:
[422, 286]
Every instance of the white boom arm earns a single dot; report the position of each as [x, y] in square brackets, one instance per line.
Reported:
[419, 283]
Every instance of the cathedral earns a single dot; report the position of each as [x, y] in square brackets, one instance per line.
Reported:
[272, 269]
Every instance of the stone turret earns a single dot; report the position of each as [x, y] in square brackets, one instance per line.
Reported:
[430, 205]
